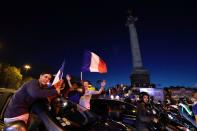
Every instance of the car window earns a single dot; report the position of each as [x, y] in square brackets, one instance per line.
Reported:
[104, 106]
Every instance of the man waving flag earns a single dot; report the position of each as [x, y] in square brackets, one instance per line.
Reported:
[59, 74]
[93, 63]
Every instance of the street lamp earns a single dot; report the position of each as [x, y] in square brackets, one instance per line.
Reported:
[27, 67]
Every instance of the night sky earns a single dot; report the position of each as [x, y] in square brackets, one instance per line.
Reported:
[43, 34]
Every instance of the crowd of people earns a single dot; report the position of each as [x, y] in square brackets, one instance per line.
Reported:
[77, 92]
[145, 116]
[18, 109]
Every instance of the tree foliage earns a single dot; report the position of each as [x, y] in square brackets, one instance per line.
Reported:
[10, 76]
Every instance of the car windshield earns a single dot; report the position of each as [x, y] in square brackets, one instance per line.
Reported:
[112, 108]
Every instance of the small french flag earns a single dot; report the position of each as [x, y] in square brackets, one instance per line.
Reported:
[93, 63]
[59, 74]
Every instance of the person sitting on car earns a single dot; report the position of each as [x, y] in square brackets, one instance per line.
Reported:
[19, 106]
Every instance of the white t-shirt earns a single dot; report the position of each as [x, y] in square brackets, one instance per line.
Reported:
[85, 99]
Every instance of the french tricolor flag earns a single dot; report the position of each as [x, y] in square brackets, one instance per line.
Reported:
[93, 63]
[59, 74]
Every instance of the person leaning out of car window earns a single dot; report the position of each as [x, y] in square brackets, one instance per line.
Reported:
[21, 102]
[144, 115]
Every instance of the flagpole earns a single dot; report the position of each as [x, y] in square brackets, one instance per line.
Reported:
[81, 76]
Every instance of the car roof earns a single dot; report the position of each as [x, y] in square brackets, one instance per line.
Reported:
[5, 95]
[7, 90]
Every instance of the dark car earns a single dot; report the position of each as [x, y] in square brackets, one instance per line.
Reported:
[61, 115]
[5, 96]
[115, 110]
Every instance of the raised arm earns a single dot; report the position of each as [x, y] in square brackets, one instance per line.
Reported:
[68, 78]
[37, 92]
[103, 83]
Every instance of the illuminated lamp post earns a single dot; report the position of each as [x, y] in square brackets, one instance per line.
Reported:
[27, 67]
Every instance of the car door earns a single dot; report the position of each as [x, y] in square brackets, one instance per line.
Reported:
[4, 100]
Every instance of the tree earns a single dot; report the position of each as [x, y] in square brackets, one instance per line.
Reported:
[11, 77]
[1, 74]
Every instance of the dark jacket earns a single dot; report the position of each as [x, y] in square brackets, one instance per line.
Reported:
[144, 116]
[22, 100]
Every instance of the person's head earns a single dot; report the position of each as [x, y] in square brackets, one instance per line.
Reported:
[44, 78]
[183, 100]
[194, 97]
[75, 85]
[85, 85]
[144, 97]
